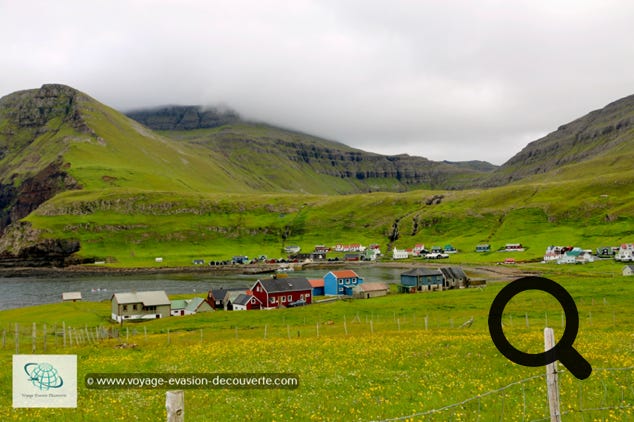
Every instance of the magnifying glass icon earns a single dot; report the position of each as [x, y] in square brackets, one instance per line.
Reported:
[563, 350]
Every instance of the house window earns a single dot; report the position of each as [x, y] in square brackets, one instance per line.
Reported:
[134, 307]
[253, 300]
[283, 299]
[301, 297]
[290, 298]
[125, 307]
[341, 281]
[272, 300]
[258, 289]
[340, 289]
[307, 296]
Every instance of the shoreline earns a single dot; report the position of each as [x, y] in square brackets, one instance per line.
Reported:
[491, 272]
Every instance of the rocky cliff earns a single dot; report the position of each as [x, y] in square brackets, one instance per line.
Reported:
[28, 176]
[184, 117]
[600, 132]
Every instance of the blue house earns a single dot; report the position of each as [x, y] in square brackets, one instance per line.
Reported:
[422, 279]
[341, 282]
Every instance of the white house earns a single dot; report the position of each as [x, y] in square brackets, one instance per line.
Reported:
[576, 256]
[399, 254]
[628, 270]
[625, 253]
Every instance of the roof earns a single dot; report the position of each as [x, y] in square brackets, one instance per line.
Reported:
[193, 304]
[153, 298]
[422, 271]
[372, 287]
[345, 274]
[179, 304]
[316, 282]
[71, 296]
[242, 299]
[220, 293]
[453, 273]
[287, 284]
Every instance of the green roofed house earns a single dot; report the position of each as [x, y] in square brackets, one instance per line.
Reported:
[140, 305]
[190, 306]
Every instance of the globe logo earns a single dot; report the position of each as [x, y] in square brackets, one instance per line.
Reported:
[43, 375]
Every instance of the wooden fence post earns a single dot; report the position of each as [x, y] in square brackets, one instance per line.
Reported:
[551, 378]
[175, 405]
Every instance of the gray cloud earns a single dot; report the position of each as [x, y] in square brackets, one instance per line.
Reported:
[454, 80]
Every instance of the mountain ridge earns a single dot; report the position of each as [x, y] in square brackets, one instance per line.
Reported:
[81, 181]
[598, 133]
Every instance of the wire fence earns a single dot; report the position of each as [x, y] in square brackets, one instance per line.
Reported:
[607, 395]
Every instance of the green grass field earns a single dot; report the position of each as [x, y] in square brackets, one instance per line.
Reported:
[377, 359]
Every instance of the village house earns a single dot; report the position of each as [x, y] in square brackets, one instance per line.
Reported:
[192, 306]
[484, 247]
[280, 292]
[418, 249]
[353, 247]
[318, 286]
[399, 254]
[575, 256]
[140, 305]
[370, 290]
[341, 282]
[513, 247]
[553, 253]
[246, 302]
[421, 279]
[217, 297]
[628, 270]
[71, 296]
[455, 278]
[606, 251]
[449, 249]
[292, 249]
[625, 253]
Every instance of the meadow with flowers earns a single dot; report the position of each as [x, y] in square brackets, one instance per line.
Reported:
[400, 357]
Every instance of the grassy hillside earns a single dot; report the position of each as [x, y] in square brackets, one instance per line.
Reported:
[372, 359]
[129, 194]
[134, 226]
[598, 142]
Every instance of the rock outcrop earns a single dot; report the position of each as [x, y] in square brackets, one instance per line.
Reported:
[184, 117]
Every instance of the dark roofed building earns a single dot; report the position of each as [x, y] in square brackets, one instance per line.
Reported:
[455, 277]
[217, 297]
[278, 292]
[421, 279]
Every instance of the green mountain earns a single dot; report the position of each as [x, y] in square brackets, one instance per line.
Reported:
[293, 161]
[600, 142]
[80, 181]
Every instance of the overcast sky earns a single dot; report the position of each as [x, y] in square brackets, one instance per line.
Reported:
[446, 80]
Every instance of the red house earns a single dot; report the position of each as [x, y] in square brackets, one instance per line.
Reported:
[278, 292]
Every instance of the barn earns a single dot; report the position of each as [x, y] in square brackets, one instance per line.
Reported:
[282, 292]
